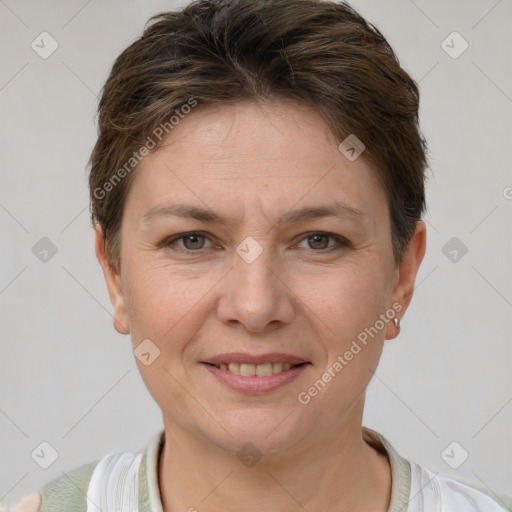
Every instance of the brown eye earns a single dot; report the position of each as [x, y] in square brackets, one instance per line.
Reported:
[318, 241]
[193, 241]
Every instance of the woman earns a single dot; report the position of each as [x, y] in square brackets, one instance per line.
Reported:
[257, 189]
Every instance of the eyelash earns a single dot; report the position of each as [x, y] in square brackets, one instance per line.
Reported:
[340, 241]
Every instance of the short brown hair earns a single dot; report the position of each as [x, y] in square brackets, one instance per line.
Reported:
[317, 52]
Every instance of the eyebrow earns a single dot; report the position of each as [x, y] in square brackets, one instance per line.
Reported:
[188, 211]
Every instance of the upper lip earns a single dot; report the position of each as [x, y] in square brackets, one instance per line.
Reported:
[240, 357]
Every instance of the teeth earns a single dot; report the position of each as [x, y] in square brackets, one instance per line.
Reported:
[251, 370]
[234, 368]
[277, 367]
[264, 370]
[247, 370]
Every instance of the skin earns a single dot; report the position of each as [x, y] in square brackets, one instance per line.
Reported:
[252, 164]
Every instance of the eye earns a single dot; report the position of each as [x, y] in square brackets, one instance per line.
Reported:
[319, 241]
[196, 241]
[191, 241]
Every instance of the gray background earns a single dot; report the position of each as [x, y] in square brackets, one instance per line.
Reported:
[67, 378]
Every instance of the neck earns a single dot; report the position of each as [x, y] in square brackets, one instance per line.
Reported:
[337, 469]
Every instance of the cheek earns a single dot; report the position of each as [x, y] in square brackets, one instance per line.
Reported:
[349, 306]
[163, 302]
[347, 301]
[164, 306]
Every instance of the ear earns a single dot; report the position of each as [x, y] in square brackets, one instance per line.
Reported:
[113, 281]
[406, 275]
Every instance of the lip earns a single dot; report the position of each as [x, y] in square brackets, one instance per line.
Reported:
[256, 385]
[241, 357]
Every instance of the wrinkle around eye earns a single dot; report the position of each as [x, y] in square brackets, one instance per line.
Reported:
[172, 243]
[339, 241]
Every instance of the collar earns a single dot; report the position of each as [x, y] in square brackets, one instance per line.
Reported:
[149, 492]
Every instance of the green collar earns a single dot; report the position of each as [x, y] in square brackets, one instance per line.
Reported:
[149, 492]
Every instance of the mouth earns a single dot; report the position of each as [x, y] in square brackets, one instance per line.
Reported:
[258, 370]
[255, 374]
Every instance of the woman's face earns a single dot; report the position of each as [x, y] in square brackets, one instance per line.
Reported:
[276, 280]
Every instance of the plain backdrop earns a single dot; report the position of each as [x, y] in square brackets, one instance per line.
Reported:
[68, 379]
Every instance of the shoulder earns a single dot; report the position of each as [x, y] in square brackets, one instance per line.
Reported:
[74, 490]
[29, 503]
[67, 493]
[416, 488]
[452, 495]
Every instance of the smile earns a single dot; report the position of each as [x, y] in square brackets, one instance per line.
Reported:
[259, 370]
[255, 379]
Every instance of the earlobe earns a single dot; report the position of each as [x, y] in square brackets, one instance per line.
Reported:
[406, 275]
[113, 282]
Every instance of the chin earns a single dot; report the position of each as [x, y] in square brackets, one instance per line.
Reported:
[268, 430]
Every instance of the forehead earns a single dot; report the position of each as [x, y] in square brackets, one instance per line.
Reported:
[269, 129]
[280, 154]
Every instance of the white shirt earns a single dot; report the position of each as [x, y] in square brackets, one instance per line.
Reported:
[128, 482]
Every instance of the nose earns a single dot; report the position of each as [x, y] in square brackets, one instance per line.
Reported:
[256, 295]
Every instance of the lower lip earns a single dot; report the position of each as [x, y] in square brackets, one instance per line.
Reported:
[255, 384]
